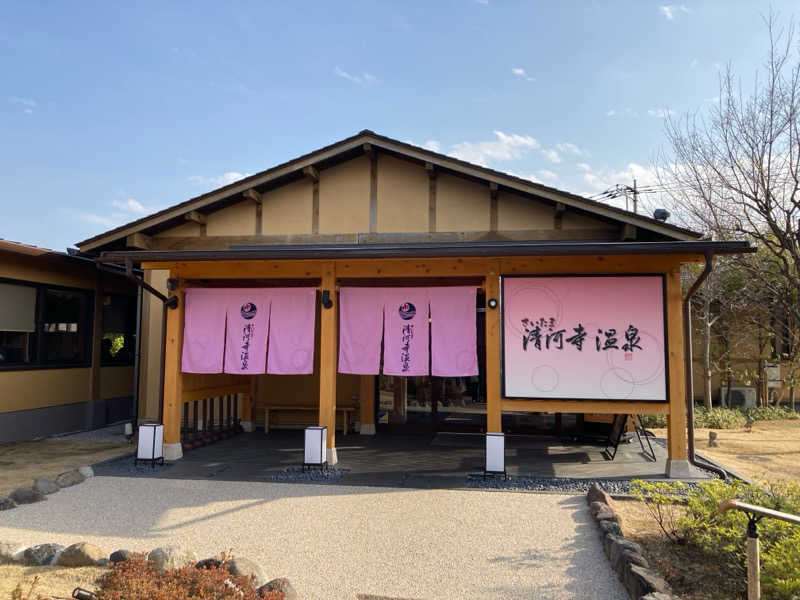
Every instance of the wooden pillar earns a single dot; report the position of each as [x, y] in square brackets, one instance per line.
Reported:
[367, 402]
[677, 463]
[173, 379]
[328, 358]
[494, 410]
[97, 351]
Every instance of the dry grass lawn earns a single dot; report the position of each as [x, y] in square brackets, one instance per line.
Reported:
[21, 462]
[770, 452]
[53, 581]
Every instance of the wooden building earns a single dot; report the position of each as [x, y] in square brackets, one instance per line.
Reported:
[372, 211]
[67, 332]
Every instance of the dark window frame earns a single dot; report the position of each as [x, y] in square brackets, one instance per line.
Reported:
[116, 362]
[38, 354]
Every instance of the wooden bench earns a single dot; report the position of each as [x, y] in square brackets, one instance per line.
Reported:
[345, 410]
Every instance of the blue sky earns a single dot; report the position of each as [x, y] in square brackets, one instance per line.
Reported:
[111, 110]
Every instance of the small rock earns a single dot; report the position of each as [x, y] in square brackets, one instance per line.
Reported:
[165, 558]
[120, 556]
[86, 471]
[658, 596]
[597, 494]
[45, 486]
[634, 558]
[82, 554]
[70, 478]
[41, 555]
[26, 496]
[7, 552]
[640, 582]
[609, 527]
[282, 585]
[103, 562]
[7, 503]
[603, 512]
[245, 566]
[208, 563]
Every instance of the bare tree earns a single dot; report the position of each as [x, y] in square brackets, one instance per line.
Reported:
[735, 172]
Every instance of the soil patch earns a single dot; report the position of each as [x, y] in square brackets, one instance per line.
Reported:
[769, 452]
[53, 581]
[689, 572]
[24, 461]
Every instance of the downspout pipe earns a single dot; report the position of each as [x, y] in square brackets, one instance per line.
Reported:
[689, 366]
[169, 302]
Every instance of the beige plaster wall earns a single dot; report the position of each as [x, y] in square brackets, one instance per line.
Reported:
[461, 204]
[287, 209]
[344, 197]
[403, 192]
[515, 212]
[41, 388]
[238, 219]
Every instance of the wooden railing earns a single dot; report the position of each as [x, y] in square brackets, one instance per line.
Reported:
[755, 514]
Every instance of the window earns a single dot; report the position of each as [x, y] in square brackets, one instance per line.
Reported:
[17, 323]
[119, 330]
[44, 325]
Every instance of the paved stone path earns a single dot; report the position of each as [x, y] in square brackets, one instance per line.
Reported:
[339, 542]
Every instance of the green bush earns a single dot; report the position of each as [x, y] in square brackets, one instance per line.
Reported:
[722, 537]
[719, 418]
[772, 413]
[654, 421]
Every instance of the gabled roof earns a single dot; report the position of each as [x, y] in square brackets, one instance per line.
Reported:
[27, 249]
[350, 147]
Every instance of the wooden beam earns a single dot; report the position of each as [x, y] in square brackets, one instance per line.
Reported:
[584, 406]
[173, 377]
[628, 232]
[256, 197]
[373, 191]
[676, 419]
[431, 197]
[368, 149]
[329, 334]
[311, 172]
[247, 269]
[493, 207]
[558, 215]
[196, 217]
[139, 240]
[494, 409]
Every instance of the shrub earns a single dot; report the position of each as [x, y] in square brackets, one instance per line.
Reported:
[663, 500]
[654, 421]
[772, 413]
[135, 579]
[722, 537]
[719, 418]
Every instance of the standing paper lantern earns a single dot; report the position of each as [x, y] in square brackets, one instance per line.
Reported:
[151, 444]
[495, 454]
[315, 444]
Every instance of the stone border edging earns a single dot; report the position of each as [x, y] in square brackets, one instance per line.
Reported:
[43, 487]
[163, 558]
[624, 555]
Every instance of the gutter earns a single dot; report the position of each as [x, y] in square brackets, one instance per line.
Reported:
[689, 367]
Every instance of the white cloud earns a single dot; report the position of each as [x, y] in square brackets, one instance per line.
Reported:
[214, 182]
[27, 104]
[363, 79]
[610, 112]
[694, 63]
[669, 11]
[432, 145]
[520, 72]
[547, 175]
[661, 113]
[484, 2]
[503, 147]
[569, 148]
[551, 155]
[119, 212]
[584, 166]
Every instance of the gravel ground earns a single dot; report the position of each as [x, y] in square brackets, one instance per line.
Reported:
[112, 433]
[337, 541]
